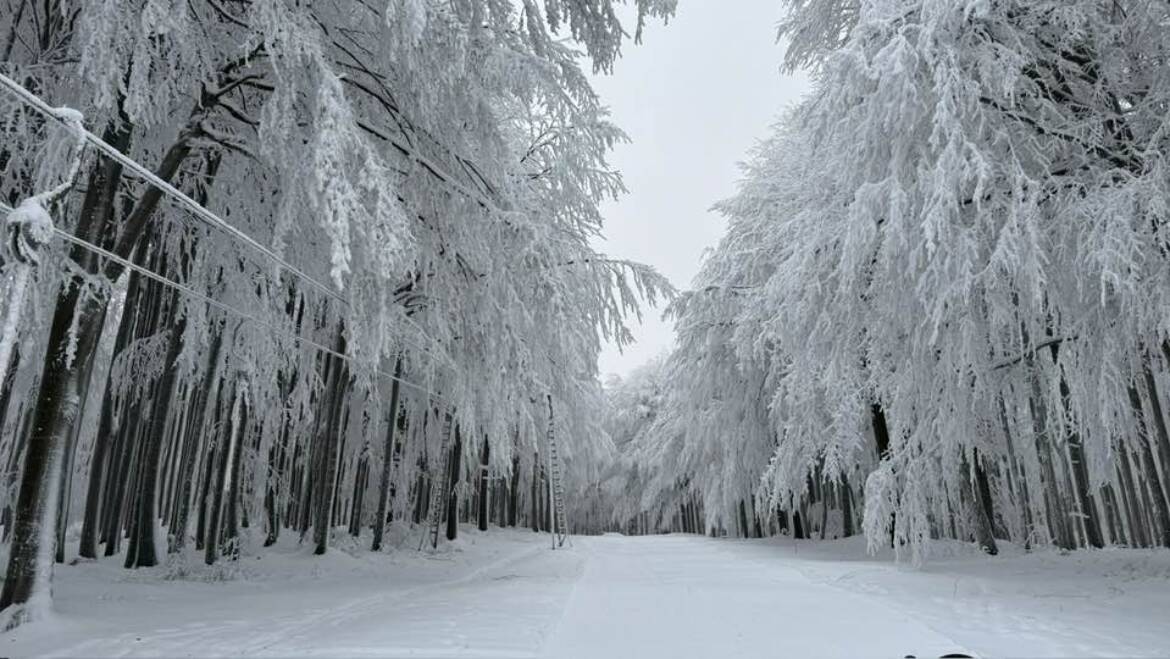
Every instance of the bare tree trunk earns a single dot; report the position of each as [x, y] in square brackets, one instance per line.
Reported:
[846, 507]
[118, 484]
[979, 503]
[452, 494]
[881, 433]
[483, 485]
[1112, 518]
[142, 552]
[1160, 435]
[535, 518]
[514, 493]
[1085, 499]
[421, 494]
[823, 486]
[881, 436]
[73, 339]
[66, 478]
[1129, 496]
[329, 446]
[103, 185]
[217, 477]
[1057, 523]
[546, 501]
[62, 388]
[1016, 474]
[1157, 496]
[201, 402]
[387, 461]
[229, 542]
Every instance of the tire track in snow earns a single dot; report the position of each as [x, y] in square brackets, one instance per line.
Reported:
[256, 635]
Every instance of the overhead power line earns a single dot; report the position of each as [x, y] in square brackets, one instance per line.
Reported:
[182, 288]
[203, 213]
[32, 100]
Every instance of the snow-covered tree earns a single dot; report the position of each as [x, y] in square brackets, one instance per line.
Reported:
[942, 287]
[380, 197]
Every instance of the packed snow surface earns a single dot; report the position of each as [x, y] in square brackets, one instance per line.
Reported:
[505, 594]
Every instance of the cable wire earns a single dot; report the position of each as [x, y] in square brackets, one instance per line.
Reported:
[35, 102]
[84, 244]
[200, 211]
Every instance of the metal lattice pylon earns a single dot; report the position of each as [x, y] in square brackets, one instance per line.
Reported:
[439, 485]
[560, 526]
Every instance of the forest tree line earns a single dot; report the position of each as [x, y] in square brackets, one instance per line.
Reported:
[940, 309]
[268, 264]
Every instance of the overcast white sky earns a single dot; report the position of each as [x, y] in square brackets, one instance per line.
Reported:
[693, 97]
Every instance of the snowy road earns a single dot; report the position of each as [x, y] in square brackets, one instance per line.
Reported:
[682, 596]
[504, 594]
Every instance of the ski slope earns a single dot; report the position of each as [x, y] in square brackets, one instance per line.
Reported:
[504, 594]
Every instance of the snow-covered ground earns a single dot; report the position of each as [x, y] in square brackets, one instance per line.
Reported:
[504, 594]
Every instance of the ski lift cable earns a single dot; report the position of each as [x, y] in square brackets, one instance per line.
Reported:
[227, 308]
[197, 209]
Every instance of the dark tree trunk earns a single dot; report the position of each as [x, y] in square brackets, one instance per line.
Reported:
[825, 497]
[190, 468]
[1057, 524]
[1129, 496]
[546, 516]
[68, 358]
[1112, 515]
[483, 485]
[10, 371]
[122, 482]
[1161, 437]
[500, 490]
[797, 526]
[277, 481]
[206, 497]
[1080, 473]
[1016, 474]
[881, 436]
[983, 491]
[329, 445]
[97, 468]
[229, 543]
[452, 494]
[66, 482]
[61, 379]
[978, 500]
[142, 552]
[846, 507]
[535, 517]
[1087, 502]
[387, 461]
[881, 432]
[1150, 470]
[217, 476]
[421, 494]
[514, 493]
[62, 388]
